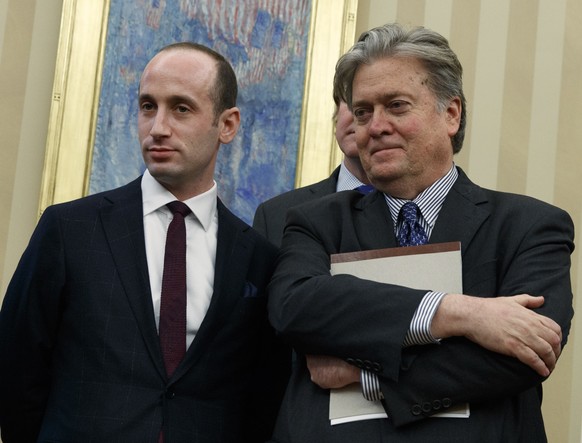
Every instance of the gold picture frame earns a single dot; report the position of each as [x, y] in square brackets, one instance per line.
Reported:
[77, 83]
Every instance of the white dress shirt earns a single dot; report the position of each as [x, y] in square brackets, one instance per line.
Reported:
[201, 238]
[346, 180]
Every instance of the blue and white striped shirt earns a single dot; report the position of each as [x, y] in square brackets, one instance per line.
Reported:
[430, 202]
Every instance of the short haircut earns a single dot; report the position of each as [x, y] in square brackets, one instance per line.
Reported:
[225, 90]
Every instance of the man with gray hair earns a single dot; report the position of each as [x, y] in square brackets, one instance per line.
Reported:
[420, 352]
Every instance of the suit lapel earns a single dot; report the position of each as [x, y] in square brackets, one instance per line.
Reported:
[122, 218]
[462, 214]
[233, 252]
[373, 222]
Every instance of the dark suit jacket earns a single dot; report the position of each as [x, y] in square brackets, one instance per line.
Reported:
[510, 245]
[270, 216]
[80, 359]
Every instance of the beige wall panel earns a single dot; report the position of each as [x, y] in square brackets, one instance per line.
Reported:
[372, 13]
[3, 17]
[411, 12]
[517, 101]
[464, 39]
[33, 130]
[546, 100]
[438, 16]
[488, 94]
[17, 37]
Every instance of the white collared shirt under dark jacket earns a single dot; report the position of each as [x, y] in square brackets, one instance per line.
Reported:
[80, 354]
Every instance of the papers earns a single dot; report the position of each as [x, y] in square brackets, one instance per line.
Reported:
[455, 411]
[348, 404]
[436, 267]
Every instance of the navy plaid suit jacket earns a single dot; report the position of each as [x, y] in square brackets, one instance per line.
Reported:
[80, 359]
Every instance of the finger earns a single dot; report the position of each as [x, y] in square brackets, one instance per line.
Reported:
[546, 346]
[527, 356]
[529, 301]
[551, 333]
[551, 324]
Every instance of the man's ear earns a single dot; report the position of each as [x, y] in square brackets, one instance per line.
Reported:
[228, 124]
[453, 115]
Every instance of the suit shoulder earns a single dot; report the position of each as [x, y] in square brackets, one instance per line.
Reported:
[301, 195]
[93, 202]
[342, 198]
[521, 203]
[288, 199]
[226, 216]
[502, 201]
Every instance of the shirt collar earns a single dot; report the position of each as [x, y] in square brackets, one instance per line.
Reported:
[155, 197]
[346, 180]
[429, 201]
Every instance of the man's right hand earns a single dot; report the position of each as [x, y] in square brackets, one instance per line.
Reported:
[506, 325]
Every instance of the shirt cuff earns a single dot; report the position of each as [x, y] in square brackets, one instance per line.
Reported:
[370, 386]
[419, 331]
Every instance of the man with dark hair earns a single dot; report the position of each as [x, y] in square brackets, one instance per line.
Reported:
[104, 337]
[420, 352]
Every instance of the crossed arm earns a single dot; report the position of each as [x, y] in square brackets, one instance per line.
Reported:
[507, 325]
[512, 341]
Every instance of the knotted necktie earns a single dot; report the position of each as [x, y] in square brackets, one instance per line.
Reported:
[411, 233]
[364, 189]
[173, 302]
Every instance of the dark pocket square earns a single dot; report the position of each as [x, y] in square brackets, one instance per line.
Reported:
[250, 290]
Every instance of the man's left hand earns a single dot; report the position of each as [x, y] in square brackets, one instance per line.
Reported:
[331, 372]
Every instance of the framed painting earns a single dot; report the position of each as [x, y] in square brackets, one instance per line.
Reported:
[283, 52]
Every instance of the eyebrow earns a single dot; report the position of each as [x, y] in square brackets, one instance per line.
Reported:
[385, 97]
[176, 98]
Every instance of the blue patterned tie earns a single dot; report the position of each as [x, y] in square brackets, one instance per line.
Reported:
[411, 233]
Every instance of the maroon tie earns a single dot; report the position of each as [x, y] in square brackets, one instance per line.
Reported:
[173, 303]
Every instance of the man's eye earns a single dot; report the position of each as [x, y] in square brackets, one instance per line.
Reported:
[361, 116]
[359, 113]
[147, 106]
[182, 109]
[398, 106]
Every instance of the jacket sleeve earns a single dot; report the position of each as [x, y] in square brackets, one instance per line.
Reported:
[366, 321]
[28, 326]
[341, 315]
[533, 261]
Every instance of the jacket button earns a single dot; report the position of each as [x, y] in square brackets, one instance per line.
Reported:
[416, 410]
[170, 394]
[376, 367]
[447, 402]
[436, 405]
[426, 407]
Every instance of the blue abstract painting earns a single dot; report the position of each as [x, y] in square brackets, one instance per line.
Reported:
[265, 41]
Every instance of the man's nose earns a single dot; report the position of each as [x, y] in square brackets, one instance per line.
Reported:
[160, 126]
[381, 123]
